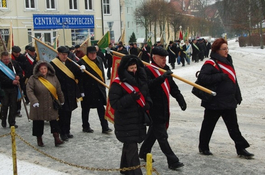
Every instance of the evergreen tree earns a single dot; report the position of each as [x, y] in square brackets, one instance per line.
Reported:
[132, 38]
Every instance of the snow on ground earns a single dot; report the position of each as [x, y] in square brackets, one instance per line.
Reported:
[97, 150]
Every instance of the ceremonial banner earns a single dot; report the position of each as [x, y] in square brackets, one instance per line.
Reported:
[109, 114]
[85, 44]
[2, 45]
[104, 41]
[44, 51]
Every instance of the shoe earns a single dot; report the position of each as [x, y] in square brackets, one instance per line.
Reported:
[18, 114]
[205, 152]
[245, 154]
[3, 123]
[70, 136]
[89, 130]
[175, 166]
[64, 137]
[39, 141]
[107, 131]
[16, 126]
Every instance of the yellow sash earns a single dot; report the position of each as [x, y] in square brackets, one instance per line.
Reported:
[63, 68]
[93, 66]
[49, 86]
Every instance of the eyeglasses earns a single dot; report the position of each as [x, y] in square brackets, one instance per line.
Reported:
[224, 49]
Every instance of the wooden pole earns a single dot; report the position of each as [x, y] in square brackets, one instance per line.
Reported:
[175, 76]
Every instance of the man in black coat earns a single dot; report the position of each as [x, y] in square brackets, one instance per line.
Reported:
[10, 74]
[195, 51]
[161, 85]
[67, 73]
[109, 60]
[146, 56]
[94, 93]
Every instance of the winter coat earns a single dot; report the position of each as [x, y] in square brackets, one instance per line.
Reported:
[93, 90]
[69, 86]
[159, 111]
[172, 54]
[38, 93]
[228, 92]
[129, 115]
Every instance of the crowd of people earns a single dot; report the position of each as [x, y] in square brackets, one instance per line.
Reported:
[138, 93]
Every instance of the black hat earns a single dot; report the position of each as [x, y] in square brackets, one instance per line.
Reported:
[171, 42]
[16, 49]
[27, 47]
[91, 49]
[77, 46]
[159, 51]
[32, 49]
[62, 49]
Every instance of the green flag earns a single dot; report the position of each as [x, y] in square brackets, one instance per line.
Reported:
[104, 41]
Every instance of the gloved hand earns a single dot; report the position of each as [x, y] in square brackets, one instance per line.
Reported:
[82, 94]
[82, 68]
[167, 74]
[62, 104]
[181, 101]
[135, 95]
[36, 105]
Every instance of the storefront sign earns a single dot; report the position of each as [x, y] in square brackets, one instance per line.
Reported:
[47, 21]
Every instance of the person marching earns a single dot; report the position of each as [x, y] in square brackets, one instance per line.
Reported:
[10, 74]
[68, 74]
[161, 86]
[146, 56]
[129, 97]
[220, 70]
[93, 93]
[172, 54]
[42, 87]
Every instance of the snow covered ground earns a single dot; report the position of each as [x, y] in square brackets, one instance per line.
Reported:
[98, 150]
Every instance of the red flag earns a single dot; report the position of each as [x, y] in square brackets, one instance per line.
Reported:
[109, 114]
[180, 35]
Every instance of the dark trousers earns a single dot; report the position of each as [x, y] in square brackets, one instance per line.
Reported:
[109, 72]
[10, 101]
[38, 127]
[130, 158]
[64, 121]
[85, 115]
[158, 132]
[230, 118]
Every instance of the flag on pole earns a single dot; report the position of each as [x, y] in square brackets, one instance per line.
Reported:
[44, 51]
[122, 38]
[180, 35]
[185, 36]
[56, 42]
[104, 41]
[109, 114]
[10, 43]
[2, 45]
[85, 44]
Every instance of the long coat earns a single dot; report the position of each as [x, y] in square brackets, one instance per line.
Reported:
[69, 86]
[129, 115]
[38, 93]
[93, 90]
[228, 93]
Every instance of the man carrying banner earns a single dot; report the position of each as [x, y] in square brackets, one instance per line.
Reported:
[94, 93]
[67, 73]
[161, 86]
[10, 73]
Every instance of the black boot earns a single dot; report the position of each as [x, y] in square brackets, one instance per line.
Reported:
[244, 153]
[39, 141]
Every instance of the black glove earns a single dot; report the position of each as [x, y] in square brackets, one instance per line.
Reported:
[181, 102]
[136, 95]
[167, 74]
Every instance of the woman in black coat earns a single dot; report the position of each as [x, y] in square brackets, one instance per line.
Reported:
[129, 97]
[219, 71]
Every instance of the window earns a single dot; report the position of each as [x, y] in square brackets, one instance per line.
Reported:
[88, 5]
[30, 4]
[106, 7]
[5, 35]
[50, 4]
[73, 4]
[3, 4]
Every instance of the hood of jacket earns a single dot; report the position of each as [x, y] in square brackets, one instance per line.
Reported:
[37, 73]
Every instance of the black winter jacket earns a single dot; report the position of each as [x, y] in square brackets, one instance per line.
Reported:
[129, 115]
[228, 93]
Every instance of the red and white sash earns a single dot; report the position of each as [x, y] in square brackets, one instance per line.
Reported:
[30, 59]
[227, 69]
[147, 52]
[130, 89]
